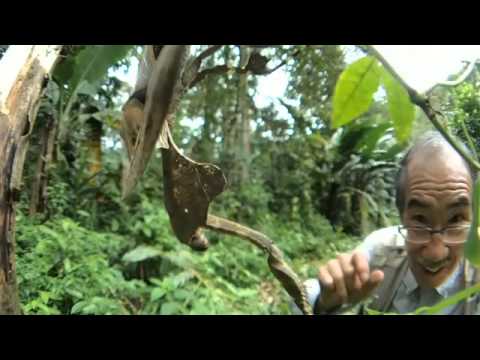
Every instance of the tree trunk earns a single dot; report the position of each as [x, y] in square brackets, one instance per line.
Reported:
[23, 70]
[94, 148]
[38, 200]
[242, 153]
[203, 149]
[245, 132]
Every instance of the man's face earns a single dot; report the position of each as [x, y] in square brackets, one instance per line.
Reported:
[438, 194]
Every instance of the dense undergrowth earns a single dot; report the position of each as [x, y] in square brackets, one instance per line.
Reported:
[138, 267]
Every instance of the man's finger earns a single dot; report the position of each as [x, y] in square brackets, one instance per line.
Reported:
[336, 272]
[376, 277]
[347, 269]
[326, 280]
[357, 283]
[360, 263]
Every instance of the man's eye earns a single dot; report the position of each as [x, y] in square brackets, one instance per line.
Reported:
[456, 219]
[420, 219]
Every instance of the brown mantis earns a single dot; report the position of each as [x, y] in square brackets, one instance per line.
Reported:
[189, 186]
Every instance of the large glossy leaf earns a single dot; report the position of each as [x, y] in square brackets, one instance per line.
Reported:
[64, 71]
[354, 90]
[400, 107]
[93, 62]
[90, 65]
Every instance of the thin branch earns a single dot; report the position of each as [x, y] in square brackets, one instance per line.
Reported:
[222, 69]
[280, 269]
[424, 103]
[469, 138]
[469, 69]
[216, 70]
[208, 52]
[284, 62]
[190, 74]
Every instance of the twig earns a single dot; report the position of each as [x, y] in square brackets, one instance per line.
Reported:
[222, 69]
[208, 52]
[469, 138]
[287, 277]
[423, 103]
[469, 69]
[284, 62]
[216, 70]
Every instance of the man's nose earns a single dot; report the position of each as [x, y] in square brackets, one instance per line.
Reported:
[436, 249]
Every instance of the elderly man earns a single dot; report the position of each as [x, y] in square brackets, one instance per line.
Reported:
[420, 262]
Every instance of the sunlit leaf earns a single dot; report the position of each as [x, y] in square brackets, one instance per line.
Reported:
[354, 90]
[401, 109]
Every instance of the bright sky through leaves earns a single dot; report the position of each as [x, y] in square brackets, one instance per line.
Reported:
[421, 66]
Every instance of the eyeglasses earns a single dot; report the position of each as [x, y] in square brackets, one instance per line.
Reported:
[452, 235]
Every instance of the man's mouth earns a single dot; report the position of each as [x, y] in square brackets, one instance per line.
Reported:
[434, 268]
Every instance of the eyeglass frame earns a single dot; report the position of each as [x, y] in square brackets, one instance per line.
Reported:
[431, 232]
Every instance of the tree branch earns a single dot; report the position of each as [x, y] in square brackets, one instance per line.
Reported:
[216, 70]
[469, 69]
[284, 62]
[222, 69]
[208, 52]
[423, 103]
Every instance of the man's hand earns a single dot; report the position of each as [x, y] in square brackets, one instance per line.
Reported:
[346, 280]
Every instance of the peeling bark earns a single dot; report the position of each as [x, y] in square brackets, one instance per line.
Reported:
[38, 199]
[24, 69]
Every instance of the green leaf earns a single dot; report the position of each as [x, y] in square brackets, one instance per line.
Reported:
[74, 293]
[354, 90]
[147, 231]
[45, 296]
[401, 108]
[200, 308]
[157, 293]
[83, 213]
[392, 152]
[64, 71]
[141, 253]
[50, 232]
[67, 265]
[86, 88]
[90, 64]
[370, 139]
[169, 308]
[452, 300]
[115, 225]
[78, 307]
[181, 294]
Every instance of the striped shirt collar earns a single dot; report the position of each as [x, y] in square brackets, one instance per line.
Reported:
[445, 290]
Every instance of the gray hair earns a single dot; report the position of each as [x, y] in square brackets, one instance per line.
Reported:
[430, 140]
